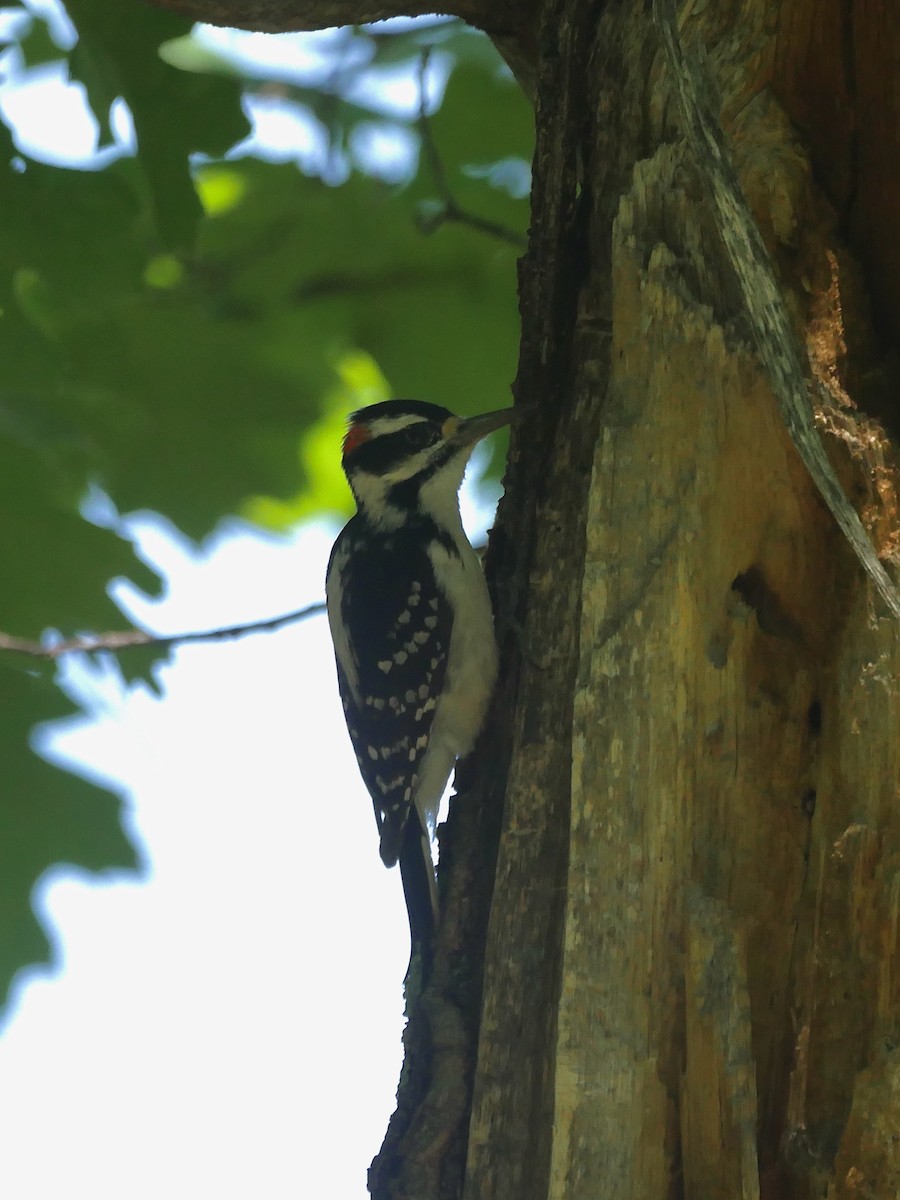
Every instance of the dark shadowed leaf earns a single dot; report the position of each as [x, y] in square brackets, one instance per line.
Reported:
[188, 338]
[175, 113]
[46, 816]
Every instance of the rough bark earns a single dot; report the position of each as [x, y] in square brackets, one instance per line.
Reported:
[510, 23]
[672, 881]
[727, 1004]
[727, 1001]
[282, 16]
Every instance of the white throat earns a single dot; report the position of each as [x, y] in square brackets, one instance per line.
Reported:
[438, 497]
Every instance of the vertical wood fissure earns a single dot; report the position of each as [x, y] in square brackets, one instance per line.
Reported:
[693, 847]
[511, 1126]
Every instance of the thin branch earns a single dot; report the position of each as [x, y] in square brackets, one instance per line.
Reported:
[449, 211]
[777, 347]
[283, 16]
[346, 283]
[126, 639]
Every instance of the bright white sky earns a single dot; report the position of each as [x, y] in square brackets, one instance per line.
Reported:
[229, 1023]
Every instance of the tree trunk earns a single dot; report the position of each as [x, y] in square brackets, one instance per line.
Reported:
[670, 884]
[689, 975]
[688, 981]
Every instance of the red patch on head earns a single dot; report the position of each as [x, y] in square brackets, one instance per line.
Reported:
[355, 436]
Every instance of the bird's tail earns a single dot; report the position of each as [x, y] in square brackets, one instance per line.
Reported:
[419, 886]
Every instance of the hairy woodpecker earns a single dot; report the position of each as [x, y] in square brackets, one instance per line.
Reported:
[412, 625]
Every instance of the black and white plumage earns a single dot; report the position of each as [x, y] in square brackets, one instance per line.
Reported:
[412, 626]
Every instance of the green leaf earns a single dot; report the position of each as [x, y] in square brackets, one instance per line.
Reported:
[484, 119]
[190, 398]
[37, 44]
[191, 345]
[360, 383]
[46, 816]
[175, 113]
[467, 45]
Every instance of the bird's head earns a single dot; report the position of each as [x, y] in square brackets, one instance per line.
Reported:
[404, 455]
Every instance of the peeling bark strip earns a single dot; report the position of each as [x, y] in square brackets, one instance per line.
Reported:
[764, 305]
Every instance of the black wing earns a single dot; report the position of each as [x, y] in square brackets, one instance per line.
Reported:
[398, 626]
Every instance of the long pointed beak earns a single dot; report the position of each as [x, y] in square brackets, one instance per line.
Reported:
[473, 429]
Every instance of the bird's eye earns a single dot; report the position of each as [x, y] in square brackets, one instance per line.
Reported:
[421, 434]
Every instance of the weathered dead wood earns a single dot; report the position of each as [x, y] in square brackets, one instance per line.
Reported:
[868, 1160]
[766, 311]
[835, 72]
[724, 634]
[718, 1097]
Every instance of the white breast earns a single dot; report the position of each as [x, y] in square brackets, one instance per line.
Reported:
[471, 668]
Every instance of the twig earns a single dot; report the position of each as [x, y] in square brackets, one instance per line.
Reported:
[126, 639]
[347, 283]
[764, 306]
[449, 211]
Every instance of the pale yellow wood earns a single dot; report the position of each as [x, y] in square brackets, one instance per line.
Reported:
[718, 1096]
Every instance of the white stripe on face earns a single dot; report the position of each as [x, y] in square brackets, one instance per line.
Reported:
[371, 490]
[394, 424]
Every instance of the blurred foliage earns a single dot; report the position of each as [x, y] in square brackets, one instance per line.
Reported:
[186, 326]
[46, 815]
[360, 382]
